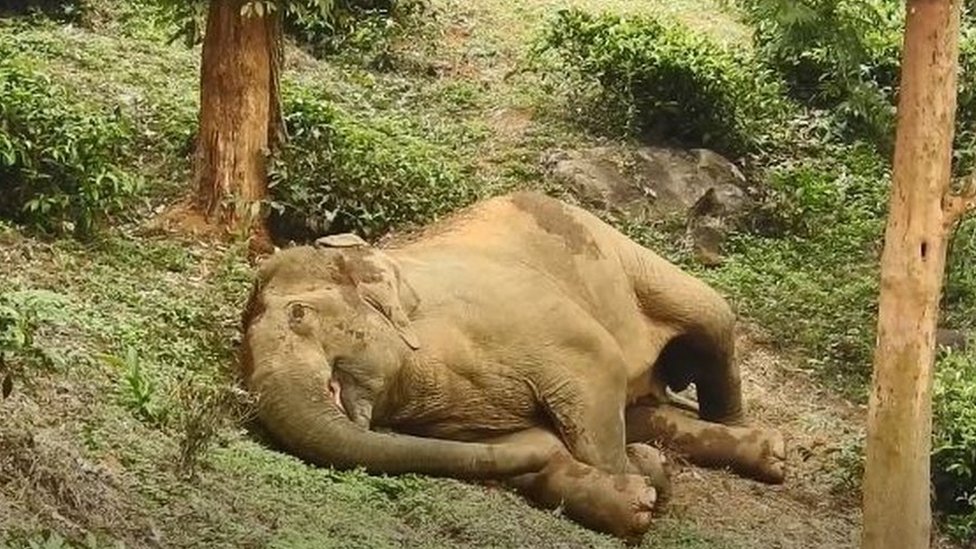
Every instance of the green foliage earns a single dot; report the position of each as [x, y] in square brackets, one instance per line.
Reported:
[842, 56]
[57, 154]
[138, 391]
[342, 172]
[21, 316]
[954, 444]
[354, 27]
[668, 81]
[959, 299]
[849, 466]
[190, 16]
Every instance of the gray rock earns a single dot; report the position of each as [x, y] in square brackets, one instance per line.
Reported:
[596, 177]
[681, 179]
[700, 185]
[666, 180]
[952, 339]
[707, 239]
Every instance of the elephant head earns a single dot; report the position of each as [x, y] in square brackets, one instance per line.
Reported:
[327, 329]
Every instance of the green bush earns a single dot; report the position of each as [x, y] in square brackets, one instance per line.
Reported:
[58, 155]
[671, 83]
[954, 443]
[844, 56]
[837, 196]
[22, 315]
[339, 172]
[837, 55]
[959, 300]
[354, 27]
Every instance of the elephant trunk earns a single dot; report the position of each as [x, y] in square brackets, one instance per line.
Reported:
[294, 405]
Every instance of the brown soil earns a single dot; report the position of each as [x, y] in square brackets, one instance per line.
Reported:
[184, 220]
[817, 506]
[810, 509]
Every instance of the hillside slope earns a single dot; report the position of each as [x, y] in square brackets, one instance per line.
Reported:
[138, 330]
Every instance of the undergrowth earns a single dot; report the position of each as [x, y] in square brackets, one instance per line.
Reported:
[342, 172]
[364, 30]
[663, 82]
[58, 155]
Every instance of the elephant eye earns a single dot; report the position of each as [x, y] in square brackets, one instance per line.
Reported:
[296, 311]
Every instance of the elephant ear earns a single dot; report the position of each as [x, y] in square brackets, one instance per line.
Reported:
[383, 297]
[343, 240]
[379, 283]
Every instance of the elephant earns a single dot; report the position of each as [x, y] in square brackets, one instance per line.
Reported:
[521, 340]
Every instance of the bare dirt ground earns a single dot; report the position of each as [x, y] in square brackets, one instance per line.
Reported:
[813, 508]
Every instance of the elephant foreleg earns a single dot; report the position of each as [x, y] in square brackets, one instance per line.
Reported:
[617, 504]
[587, 412]
[754, 453]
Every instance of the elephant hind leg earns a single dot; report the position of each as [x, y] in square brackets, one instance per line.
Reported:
[620, 504]
[755, 453]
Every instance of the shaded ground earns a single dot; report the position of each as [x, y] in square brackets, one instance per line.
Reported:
[814, 508]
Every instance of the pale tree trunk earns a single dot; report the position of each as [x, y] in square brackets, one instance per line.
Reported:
[239, 115]
[897, 511]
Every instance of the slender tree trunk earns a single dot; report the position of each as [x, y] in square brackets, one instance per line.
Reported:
[239, 114]
[897, 509]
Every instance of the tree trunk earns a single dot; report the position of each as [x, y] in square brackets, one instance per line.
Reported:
[239, 115]
[896, 502]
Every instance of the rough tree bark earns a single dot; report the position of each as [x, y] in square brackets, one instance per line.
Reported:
[897, 510]
[239, 114]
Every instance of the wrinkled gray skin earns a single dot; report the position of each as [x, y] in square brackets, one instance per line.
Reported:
[520, 312]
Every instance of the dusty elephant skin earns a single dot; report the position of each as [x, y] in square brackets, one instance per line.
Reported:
[521, 340]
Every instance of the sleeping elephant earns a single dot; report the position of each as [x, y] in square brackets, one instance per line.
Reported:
[522, 340]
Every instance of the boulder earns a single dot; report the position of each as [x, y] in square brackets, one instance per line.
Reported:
[596, 176]
[682, 180]
[707, 190]
[952, 339]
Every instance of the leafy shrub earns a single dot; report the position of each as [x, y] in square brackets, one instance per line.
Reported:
[842, 56]
[138, 391]
[954, 444]
[360, 26]
[960, 289]
[845, 56]
[837, 196]
[339, 172]
[57, 155]
[21, 316]
[671, 82]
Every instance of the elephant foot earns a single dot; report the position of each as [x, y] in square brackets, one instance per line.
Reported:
[650, 462]
[763, 454]
[621, 505]
[759, 454]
